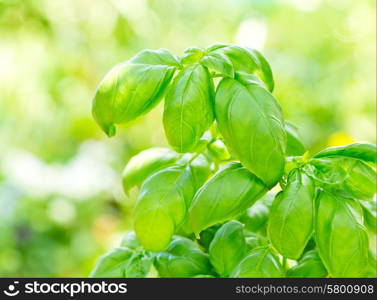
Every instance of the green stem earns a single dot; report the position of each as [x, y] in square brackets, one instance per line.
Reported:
[285, 263]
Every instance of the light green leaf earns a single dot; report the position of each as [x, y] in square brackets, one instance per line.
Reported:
[133, 88]
[364, 151]
[188, 110]
[200, 169]
[218, 63]
[130, 241]
[225, 196]
[370, 215]
[183, 258]
[192, 55]
[341, 238]
[123, 262]
[227, 248]
[246, 60]
[291, 216]
[206, 236]
[254, 240]
[145, 163]
[162, 206]
[345, 176]
[371, 270]
[218, 150]
[294, 144]
[241, 58]
[309, 266]
[250, 120]
[264, 70]
[260, 262]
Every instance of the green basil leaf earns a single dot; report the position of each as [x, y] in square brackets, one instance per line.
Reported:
[130, 241]
[145, 163]
[188, 110]
[241, 58]
[309, 266]
[161, 207]
[251, 122]
[200, 169]
[192, 55]
[255, 218]
[370, 215]
[218, 63]
[260, 262]
[227, 248]
[133, 88]
[371, 271]
[254, 240]
[183, 258]
[345, 176]
[123, 262]
[341, 238]
[246, 60]
[225, 196]
[206, 236]
[264, 69]
[291, 217]
[218, 150]
[294, 144]
[364, 151]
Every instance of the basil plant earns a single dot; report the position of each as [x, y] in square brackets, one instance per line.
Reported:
[236, 194]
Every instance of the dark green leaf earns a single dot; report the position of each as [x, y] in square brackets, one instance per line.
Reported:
[192, 55]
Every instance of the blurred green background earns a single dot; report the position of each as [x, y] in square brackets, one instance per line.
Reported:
[61, 202]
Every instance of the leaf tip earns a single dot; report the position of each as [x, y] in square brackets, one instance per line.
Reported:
[110, 130]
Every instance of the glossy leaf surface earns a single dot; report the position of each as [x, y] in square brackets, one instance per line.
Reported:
[225, 196]
[133, 88]
[188, 110]
[291, 216]
[250, 120]
[227, 248]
